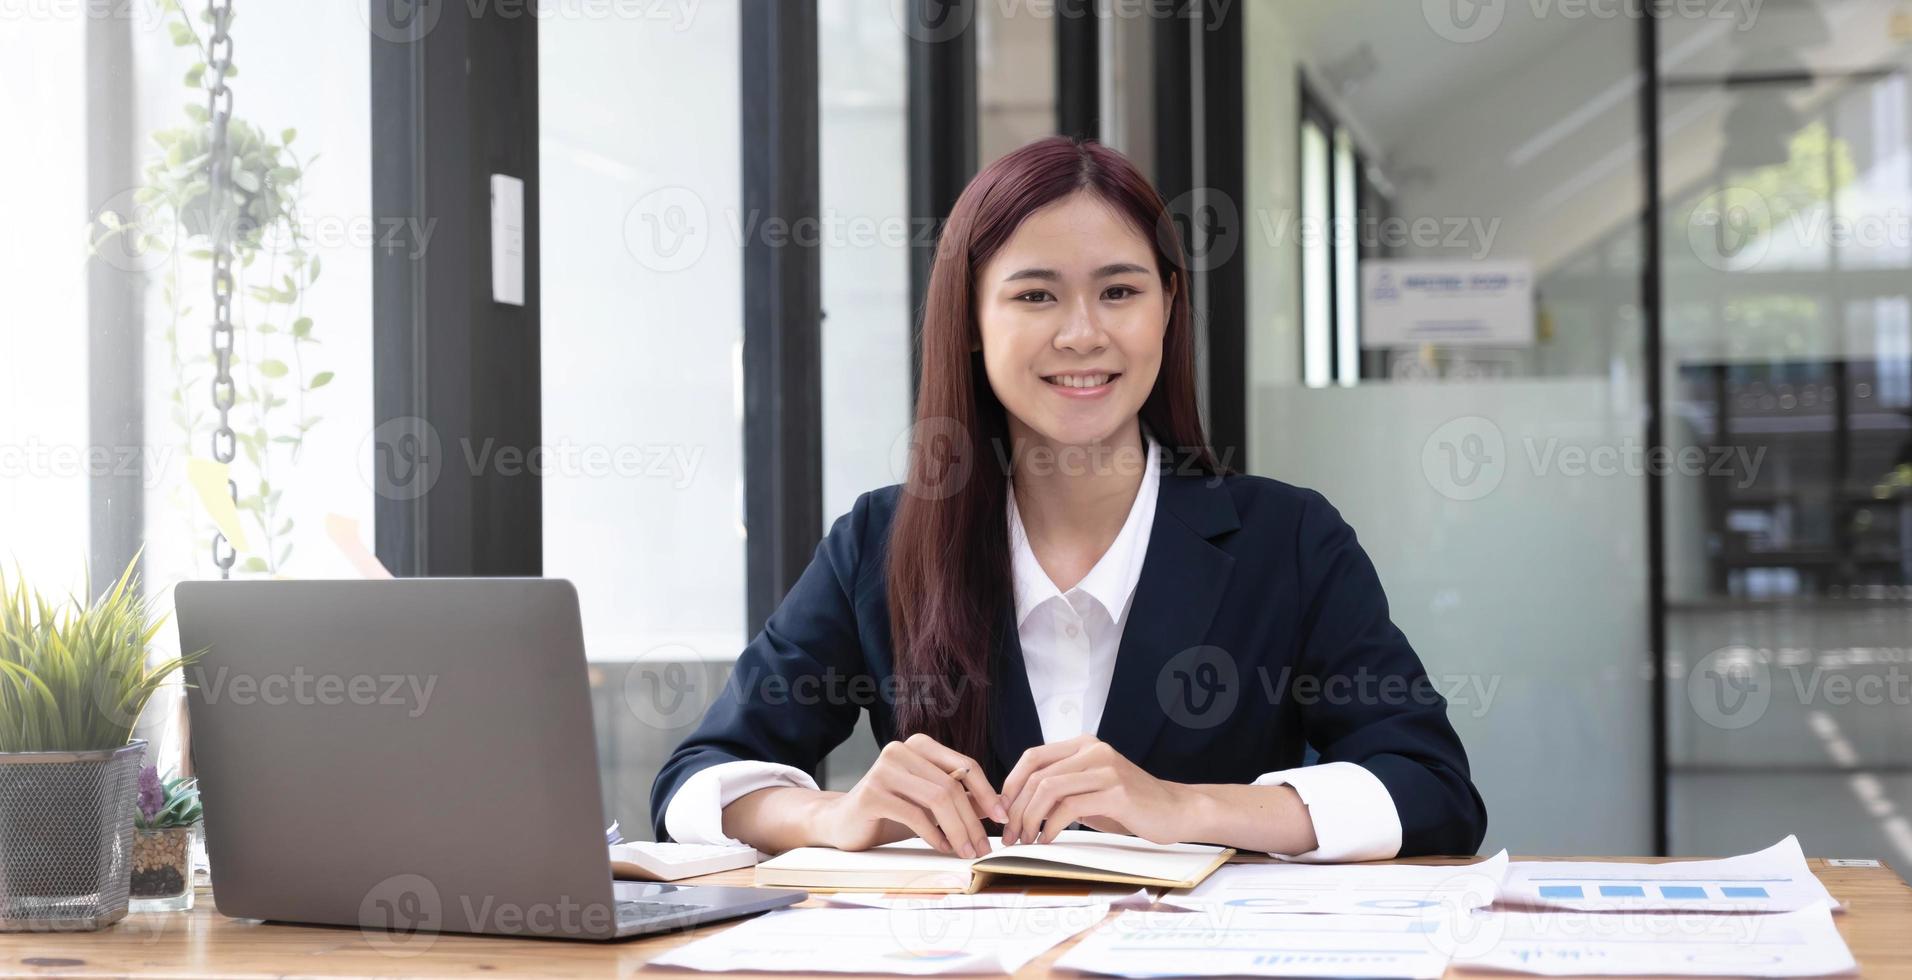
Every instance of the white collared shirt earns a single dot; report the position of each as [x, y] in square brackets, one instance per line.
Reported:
[1069, 643]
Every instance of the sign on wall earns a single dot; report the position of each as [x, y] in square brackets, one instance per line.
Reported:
[1408, 302]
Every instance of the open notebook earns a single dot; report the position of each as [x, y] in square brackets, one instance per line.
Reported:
[911, 866]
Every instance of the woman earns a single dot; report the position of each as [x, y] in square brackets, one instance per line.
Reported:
[1071, 612]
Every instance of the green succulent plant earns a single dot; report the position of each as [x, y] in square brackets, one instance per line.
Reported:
[166, 803]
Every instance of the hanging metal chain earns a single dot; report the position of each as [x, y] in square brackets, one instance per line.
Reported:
[224, 220]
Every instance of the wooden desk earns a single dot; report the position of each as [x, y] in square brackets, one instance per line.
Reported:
[202, 943]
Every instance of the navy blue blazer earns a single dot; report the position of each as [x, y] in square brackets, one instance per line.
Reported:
[1258, 629]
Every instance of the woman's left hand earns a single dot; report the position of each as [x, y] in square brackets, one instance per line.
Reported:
[1085, 779]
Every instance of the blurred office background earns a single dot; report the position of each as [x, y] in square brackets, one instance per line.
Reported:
[1696, 221]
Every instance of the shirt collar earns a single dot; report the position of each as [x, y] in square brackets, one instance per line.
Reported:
[1112, 581]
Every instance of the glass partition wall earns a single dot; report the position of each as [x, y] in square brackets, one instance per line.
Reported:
[1494, 448]
[1445, 292]
[1787, 233]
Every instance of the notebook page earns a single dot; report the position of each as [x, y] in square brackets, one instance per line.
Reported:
[908, 857]
[1116, 853]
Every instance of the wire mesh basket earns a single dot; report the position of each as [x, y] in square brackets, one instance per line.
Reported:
[66, 833]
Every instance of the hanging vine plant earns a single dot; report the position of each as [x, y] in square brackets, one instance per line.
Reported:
[173, 222]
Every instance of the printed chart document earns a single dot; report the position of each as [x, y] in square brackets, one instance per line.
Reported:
[921, 942]
[911, 866]
[1783, 944]
[1347, 889]
[1152, 944]
[1773, 880]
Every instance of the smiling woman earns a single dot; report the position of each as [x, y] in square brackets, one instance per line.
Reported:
[1069, 612]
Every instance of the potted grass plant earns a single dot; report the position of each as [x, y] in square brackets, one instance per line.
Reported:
[74, 676]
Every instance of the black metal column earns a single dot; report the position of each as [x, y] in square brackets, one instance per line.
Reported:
[1078, 69]
[942, 135]
[1225, 176]
[782, 284]
[457, 397]
[1652, 356]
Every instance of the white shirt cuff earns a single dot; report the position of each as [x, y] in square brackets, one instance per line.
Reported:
[1354, 817]
[696, 813]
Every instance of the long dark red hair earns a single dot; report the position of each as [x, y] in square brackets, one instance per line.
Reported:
[949, 578]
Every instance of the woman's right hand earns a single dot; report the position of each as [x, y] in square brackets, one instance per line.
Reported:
[911, 792]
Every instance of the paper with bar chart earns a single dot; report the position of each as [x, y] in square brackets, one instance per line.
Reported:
[1160, 944]
[1773, 880]
[1346, 889]
[1784, 944]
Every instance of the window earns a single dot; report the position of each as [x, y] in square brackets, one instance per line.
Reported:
[866, 302]
[106, 411]
[641, 278]
[1317, 258]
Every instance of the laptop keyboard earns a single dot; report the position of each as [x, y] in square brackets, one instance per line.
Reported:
[633, 913]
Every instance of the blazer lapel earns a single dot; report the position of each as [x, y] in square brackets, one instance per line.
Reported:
[1183, 576]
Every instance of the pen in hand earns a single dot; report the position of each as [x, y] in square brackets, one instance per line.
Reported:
[959, 775]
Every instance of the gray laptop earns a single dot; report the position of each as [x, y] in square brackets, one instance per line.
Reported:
[411, 756]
